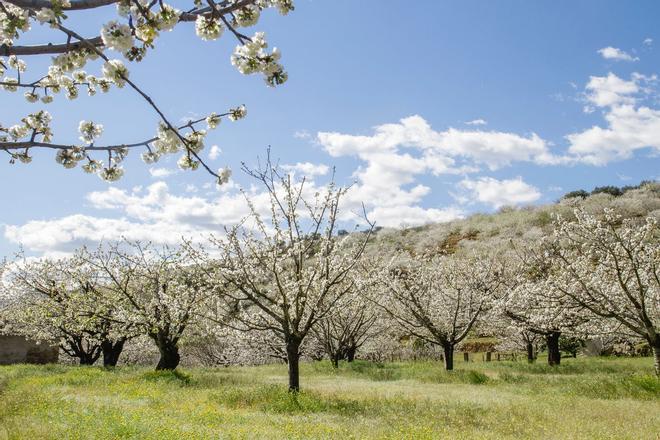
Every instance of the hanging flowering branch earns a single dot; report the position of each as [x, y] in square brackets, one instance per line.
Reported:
[132, 34]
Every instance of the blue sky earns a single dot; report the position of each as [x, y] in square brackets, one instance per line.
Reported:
[530, 72]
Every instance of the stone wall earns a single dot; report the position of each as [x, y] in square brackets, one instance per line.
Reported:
[17, 350]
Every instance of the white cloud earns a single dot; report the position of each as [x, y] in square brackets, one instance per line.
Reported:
[648, 42]
[158, 173]
[68, 233]
[307, 169]
[153, 214]
[215, 152]
[604, 91]
[476, 122]
[630, 126]
[395, 155]
[613, 53]
[441, 149]
[302, 134]
[406, 216]
[498, 193]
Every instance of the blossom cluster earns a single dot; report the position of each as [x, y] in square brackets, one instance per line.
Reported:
[12, 21]
[117, 36]
[208, 28]
[252, 58]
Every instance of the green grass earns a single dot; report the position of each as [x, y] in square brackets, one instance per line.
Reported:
[583, 398]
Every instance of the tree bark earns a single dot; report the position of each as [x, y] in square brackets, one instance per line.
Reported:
[350, 353]
[87, 354]
[293, 361]
[554, 355]
[334, 358]
[448, 356]
[530, 353]
[169, 357]
[111, 352]
[87, 358]
[169, 352]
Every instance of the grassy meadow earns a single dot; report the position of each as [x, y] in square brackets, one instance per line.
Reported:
[600, 398]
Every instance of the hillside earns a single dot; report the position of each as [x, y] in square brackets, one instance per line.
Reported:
[528, 223]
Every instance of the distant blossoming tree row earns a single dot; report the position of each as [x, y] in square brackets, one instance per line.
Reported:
[131, 34]
[283, 284]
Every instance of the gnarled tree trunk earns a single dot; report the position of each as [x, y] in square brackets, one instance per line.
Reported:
[78, 347]
[169, 351]
[552, 341]
[87, 358]
[111, 351]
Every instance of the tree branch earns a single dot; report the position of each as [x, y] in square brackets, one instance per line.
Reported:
[75, 4]
[30, 144]
[50, 48]
[45, 49]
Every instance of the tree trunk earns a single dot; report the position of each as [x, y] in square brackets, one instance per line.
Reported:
[293, 361]
[334, 358]
[530, 353]
[87, 358]
[111, 352]
[656, 355]
[350, 353]
[554, 355]
[78, 347]
[449, 356]
[169, 353]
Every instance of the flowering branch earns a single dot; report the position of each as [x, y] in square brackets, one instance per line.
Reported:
[145, 21]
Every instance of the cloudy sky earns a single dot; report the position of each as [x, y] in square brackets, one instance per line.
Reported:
[432, 109]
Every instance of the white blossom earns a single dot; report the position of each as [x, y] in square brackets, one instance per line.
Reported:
[111, 174]
[149, 157]
[195, 140]
[208, 28]
[89, 131]
[31, 96]
[224, 174]
[115, 71]
[168, 17]
[237, 113]
[168, 141]
[213, 120]
[47, 15]
[247, 15]
[187, 163]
